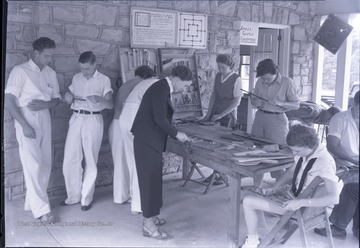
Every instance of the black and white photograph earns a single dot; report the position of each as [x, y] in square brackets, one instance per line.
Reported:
[178, 123]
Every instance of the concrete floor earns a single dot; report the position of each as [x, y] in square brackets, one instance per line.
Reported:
[193, 220]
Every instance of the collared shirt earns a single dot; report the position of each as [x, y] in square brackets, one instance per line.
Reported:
[323, 167]
[343, 126]
[170, 85]
[282, 88]
[98, 84]
[237, 85]
[27, 82]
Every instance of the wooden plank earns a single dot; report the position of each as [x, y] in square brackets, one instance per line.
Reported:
[233, 229]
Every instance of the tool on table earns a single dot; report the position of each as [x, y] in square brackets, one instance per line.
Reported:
[250, 137]
[78, 98]
[252, 94]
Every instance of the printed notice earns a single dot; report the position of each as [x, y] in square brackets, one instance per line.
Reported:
[249, 33]
[153, 28]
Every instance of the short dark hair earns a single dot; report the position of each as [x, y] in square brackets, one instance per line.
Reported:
[144, 71]
[182, 72]
[356, 98]
[302, 136]
[266, 66]
[87, 57]
[225, 59]
[43, 43]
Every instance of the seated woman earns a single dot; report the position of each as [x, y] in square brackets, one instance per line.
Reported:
[311, 159]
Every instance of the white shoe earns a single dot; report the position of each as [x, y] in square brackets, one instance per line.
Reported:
[252, 241]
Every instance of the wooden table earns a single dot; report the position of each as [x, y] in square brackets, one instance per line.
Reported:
[219, 160]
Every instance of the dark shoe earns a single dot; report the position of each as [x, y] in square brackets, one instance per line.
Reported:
[63, 203]
[159, 221]
[208, 179]
[336, 233]
[157, 234]
[86, 207]
[218, 181]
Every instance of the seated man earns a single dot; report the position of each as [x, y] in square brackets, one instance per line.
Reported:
[343, 140]
[344, 212]
[311, 160]
[310, 112]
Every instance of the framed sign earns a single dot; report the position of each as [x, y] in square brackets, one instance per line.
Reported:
[153, 28]
[192, 30]
[332, 33]
[249, 33]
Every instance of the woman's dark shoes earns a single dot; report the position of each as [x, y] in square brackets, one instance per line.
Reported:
[159, 221]
[63, 203]
[336, 232]
[86, 207]
[157, 234]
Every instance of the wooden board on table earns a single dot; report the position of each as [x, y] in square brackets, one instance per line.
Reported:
[252, 163]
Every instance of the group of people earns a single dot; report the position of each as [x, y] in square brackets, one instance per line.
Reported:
[140, 127]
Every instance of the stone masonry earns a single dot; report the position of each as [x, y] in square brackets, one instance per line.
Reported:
[104, 27]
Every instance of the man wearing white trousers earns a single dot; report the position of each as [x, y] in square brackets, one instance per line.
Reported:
[90, 93]
[126, 183]
[31, 90]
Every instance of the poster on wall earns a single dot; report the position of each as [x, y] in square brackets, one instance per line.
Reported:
[249, 33]
[152, 28]
[192, 30]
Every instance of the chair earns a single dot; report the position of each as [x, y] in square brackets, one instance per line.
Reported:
[195, 167]
[323, 129]
[305, 218]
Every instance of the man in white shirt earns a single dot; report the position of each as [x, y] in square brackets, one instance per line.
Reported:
[90, 93]
[343, 140]
[31, 90]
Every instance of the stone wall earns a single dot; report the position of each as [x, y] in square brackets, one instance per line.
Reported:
[103, 27]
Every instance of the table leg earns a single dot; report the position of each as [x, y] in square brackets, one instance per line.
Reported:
[233, 235]
[186, 168]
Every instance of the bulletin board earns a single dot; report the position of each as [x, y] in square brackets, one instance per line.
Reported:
[154, 28]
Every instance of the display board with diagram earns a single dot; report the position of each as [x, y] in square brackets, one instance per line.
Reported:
[186, 103]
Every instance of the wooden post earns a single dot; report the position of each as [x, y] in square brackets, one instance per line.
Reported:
[186, 168]
[233, 223]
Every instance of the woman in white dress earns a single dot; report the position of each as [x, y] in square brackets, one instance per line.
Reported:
[126, 185]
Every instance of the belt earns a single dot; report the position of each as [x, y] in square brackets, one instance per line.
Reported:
[81, 111]
[269, 112]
